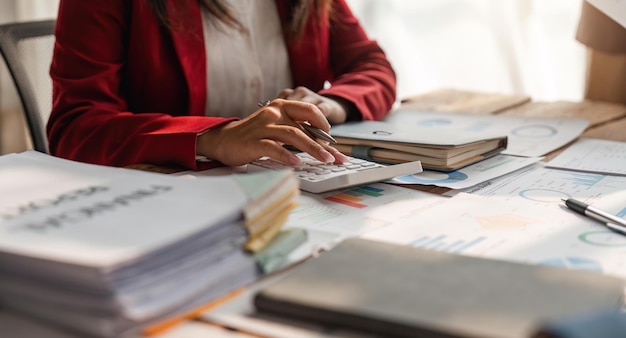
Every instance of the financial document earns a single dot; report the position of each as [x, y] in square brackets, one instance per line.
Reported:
[593, 155]
[334, 216]
[522, 218]
[527, 136]
[471, 175]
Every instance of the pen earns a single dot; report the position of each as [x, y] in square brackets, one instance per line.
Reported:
[610, 221]
[308, 129]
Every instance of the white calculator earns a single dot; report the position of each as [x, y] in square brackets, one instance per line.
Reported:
[317, 177]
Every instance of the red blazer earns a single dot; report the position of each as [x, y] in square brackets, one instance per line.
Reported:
[127, 91]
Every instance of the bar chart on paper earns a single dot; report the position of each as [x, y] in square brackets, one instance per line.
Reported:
[357, 197]
[558, 185]
[550, 186]
[575, 263]
[355, 210]
[582, 179]
[310, 210]
[446, 244]
[519, 223]
[593, 155]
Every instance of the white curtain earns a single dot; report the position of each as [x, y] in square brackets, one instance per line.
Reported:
[26, 10]
[500, 46]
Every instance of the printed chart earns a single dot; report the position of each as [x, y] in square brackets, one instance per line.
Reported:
[333, 216]
[445, 244]
[526, 136]
[356, 198]
[471, 175]
[576, 263]
[514, 227]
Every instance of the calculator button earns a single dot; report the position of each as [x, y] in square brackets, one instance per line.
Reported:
[316, 176]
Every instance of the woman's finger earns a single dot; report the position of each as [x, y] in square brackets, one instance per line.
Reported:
[284, 94]
[302, 111]
[295, 137]
[339, 156]
[277, 152]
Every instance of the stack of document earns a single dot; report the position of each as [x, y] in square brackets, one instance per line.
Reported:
[107, 251]
[271, 197]
[437, 149]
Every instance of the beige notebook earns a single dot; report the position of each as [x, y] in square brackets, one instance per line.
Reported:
[400, 291]
[437, 149]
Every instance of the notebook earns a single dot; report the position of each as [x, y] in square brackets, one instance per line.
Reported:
[437, 149]
[401, 291]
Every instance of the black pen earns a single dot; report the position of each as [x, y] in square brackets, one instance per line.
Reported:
[609, 220]
[308, 129]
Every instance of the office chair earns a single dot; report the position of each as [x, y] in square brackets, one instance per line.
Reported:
[27, 50]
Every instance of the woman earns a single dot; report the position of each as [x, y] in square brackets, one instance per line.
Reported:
[166, 81]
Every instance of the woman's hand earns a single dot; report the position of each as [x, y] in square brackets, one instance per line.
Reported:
[336, 110]
[265, 132]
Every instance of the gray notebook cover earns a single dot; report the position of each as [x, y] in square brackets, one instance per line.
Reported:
[402, 291]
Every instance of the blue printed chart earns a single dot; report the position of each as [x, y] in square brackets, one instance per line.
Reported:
[543, 195]
[511, 229]
[471, 175]
[434, 177]
[527, 136]
[549, 186]
[583, 179]
[593, 155]
[444, 243]
[603, 238]
[574, 263]
[534, 131]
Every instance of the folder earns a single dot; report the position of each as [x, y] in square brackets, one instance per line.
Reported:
[391, 142]
[400, 291]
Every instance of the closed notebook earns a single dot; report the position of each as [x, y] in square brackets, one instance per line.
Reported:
[401, 291]
[391, 142]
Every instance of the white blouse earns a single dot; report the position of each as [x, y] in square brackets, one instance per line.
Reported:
[244, 68]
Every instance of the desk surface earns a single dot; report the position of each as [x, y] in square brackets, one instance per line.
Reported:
[607, 121]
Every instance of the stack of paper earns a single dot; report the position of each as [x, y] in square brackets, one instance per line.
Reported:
[437, 149]
[106, 251]
[272, 198]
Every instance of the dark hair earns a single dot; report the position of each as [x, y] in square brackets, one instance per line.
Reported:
[300, 12]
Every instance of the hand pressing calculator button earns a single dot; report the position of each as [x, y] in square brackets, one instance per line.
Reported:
[317, 177]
